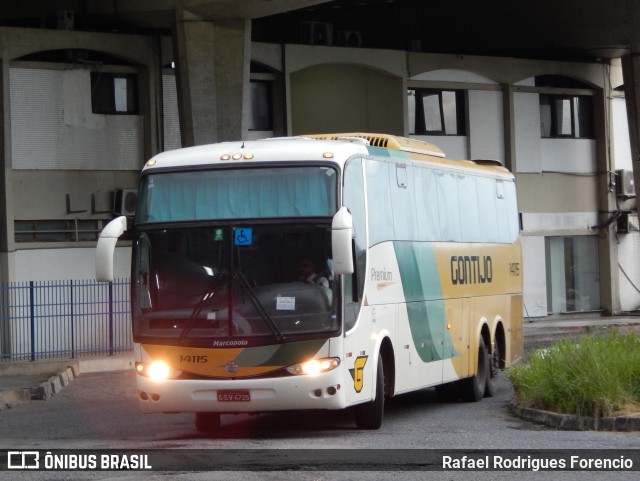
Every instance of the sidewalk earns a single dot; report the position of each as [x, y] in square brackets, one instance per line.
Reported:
[546, 330]
[22, 382]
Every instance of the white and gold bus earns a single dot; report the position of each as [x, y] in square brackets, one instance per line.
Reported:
[417, 279]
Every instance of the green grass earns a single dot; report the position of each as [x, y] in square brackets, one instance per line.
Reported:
[595, 376]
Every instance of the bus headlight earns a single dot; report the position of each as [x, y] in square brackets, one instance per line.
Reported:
[157, 370]
[314, 366]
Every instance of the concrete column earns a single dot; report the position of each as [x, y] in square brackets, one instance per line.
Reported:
[6, 206]
[607, 240]
[213, 68]
[509, 128]
[7, 242]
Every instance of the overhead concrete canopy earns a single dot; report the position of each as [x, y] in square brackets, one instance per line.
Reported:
[155, 14]
[557, 29]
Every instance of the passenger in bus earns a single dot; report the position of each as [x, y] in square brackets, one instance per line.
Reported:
[309, 274]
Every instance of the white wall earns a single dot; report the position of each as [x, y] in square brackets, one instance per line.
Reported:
[629, 244]
[66, 264]
[52, 126]
[629, 271]
[486, 125]
[534, 276]
[621, 142]
[526, 108]
[576, 156]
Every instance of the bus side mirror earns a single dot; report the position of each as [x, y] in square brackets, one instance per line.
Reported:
[341, 242]
[106, 247]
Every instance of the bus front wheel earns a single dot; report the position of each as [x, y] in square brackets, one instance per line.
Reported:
[369, 415]
[472, 389]
[207, 422]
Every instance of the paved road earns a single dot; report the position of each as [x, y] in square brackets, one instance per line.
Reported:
[100, 411]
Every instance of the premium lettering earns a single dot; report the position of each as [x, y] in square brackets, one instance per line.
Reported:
[382, 275]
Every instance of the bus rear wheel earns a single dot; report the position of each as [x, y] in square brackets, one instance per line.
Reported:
[369, 415]
[207, 422]
[494, 369]
[472, 389]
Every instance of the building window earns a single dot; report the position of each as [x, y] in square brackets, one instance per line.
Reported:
[437, 112]
[261, 117]
[114, 93]
[573, 277]
[64, 230]
[566, 116]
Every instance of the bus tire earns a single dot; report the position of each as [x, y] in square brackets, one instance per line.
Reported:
[494, 369]
[207, 422]
[369, 415]
[472, 389]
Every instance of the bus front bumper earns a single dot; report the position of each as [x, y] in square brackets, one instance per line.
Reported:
[324, 391]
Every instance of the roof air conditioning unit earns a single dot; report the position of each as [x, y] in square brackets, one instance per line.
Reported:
[625, 186]
[125, 202]
[316, 33]
[349, 38]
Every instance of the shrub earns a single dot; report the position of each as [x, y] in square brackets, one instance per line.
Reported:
[596, 376]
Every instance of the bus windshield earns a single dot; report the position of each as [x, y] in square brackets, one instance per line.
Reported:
[255, 193]
[263, 282]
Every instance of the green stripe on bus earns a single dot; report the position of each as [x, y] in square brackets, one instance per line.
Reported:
[423, 296]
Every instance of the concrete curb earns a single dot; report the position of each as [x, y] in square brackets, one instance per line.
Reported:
[570, 422]
[54, 384]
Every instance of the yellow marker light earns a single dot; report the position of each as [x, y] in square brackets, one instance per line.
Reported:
[328, 155]
[225, 157]
[248, 156]
[314, 366]
[236, 156]
[159, 370]
[151, 162]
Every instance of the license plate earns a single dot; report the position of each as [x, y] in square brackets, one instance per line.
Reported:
[234, 396]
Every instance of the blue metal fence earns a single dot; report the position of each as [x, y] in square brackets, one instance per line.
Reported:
[69, 319]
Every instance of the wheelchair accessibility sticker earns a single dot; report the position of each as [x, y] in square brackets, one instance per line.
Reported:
[243, 236]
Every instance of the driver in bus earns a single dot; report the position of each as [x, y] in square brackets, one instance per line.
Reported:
[310, 276]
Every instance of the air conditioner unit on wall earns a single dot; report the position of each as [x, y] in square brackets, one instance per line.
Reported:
[349, 38]
[125, 202]
[625, 185]
[316, 33]
[628, 222]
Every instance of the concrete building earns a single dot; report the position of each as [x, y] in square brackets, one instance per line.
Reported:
[92, 89]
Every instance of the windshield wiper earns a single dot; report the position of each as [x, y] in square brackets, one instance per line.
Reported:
[194, 315]
[242, 280]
